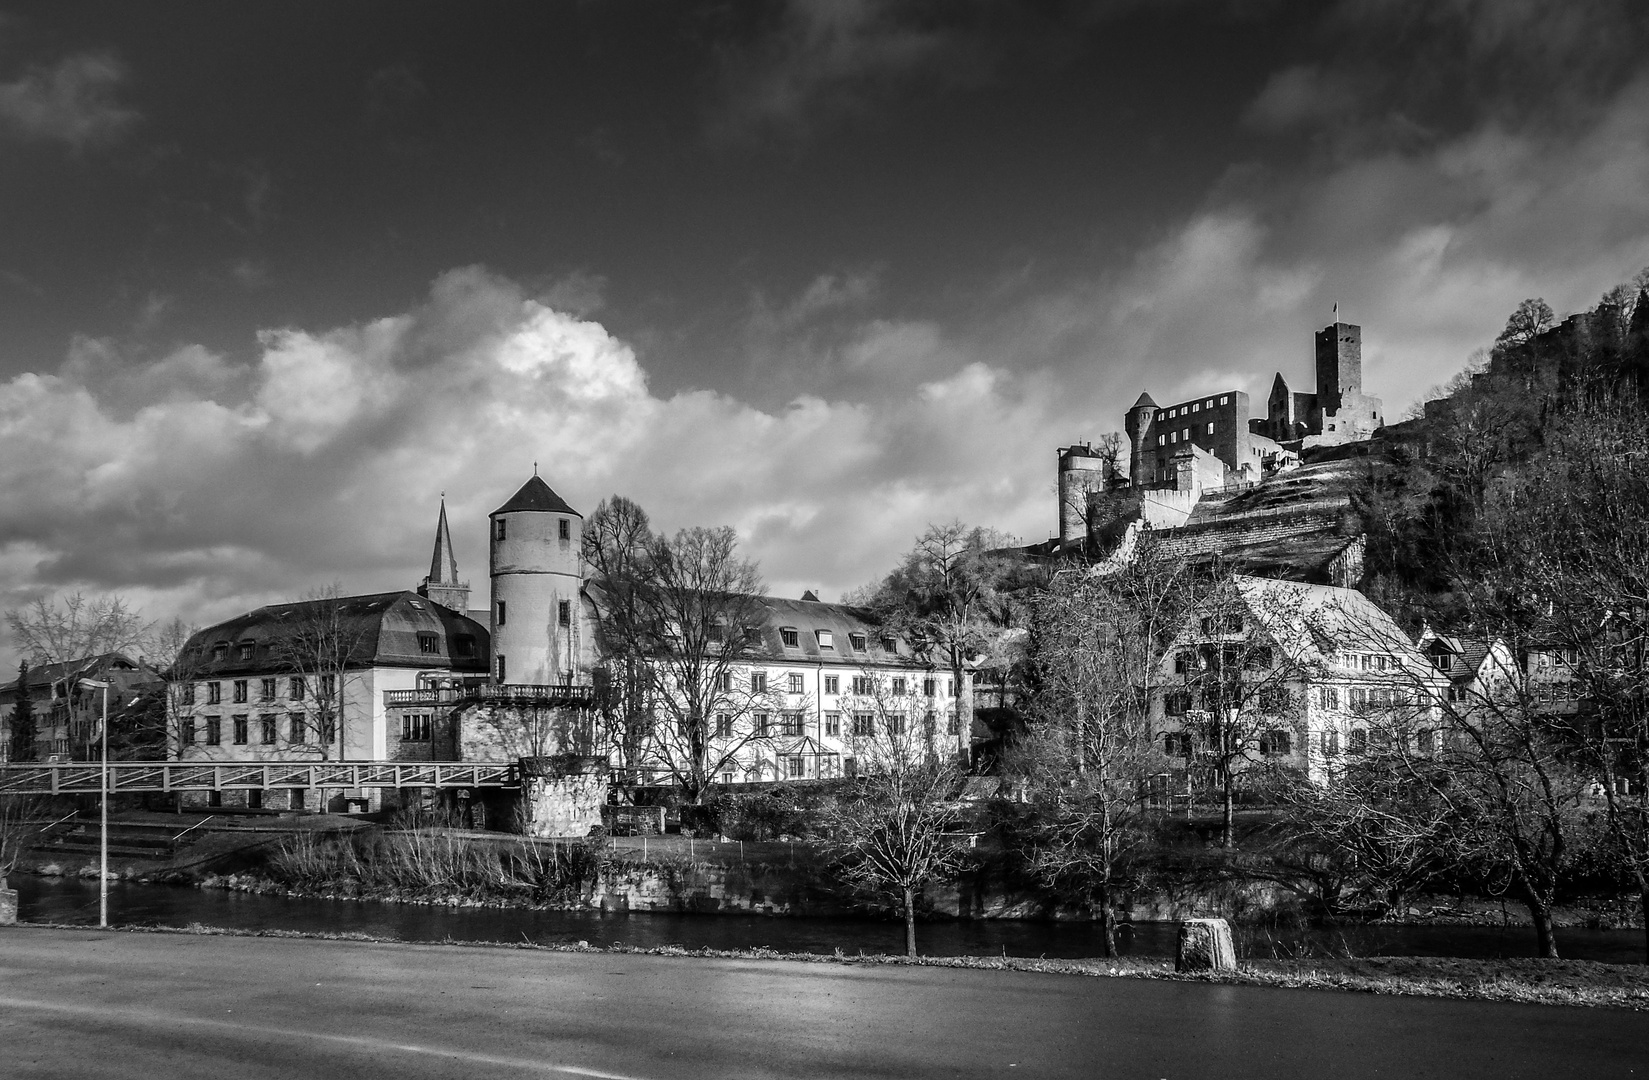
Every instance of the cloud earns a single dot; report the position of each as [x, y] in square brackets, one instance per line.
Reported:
[822, 59]
[1300, 95]
[73, 102]
[206, 486]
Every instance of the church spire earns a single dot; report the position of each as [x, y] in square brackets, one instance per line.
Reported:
[442, 584]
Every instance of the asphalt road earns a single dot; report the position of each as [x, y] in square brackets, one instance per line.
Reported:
[90, 1004]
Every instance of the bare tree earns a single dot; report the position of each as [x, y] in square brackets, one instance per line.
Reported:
[1090, 758]
[681, 621]
[57, 630]
[951, 597]
[888, 835]
[22, 818]
[319, 643]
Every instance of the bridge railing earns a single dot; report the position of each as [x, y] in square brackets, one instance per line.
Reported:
[130, 776]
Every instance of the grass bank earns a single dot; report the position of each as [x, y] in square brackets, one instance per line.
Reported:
[1580, 983]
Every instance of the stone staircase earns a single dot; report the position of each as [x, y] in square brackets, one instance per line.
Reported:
[127, 840]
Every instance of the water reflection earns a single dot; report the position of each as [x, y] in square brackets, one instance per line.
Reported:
[68, 900]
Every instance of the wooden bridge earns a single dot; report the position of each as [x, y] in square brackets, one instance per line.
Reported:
[130, 776]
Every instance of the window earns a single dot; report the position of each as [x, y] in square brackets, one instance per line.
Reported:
[329, 685]
[266, 729]
[295, 688]
[1209, 404]
[889, 644]
[790, 637]
[833, 724]
[1160, 440]
[1225, 399]
[1172, 413]
[564, 531]
[724, 725]
[240, 691]
[1456, 693]
[863, 686]
[758, 682]
[864, 724]
[1196, 406]
[214, 693]
[503, 610]
[795, 766]
[220, 651]
[899, 687]
[1173, 437]
[953, 723]
[896, 723]
[564, 613]
[857, 641]
[1210, 429]
[1358, 743]
[1331, 743]
[244, 650]
[727, 778]
[832, 684]
[214, 730]
[929, 686]
[764, 725]
[1175, 744]
[1328, 697]
[464, 644]
[1274, 699]
[1425, 741]
[189, 694]
[1442, 661]
[826, 639]
[498, 529]
[503, 668]
[724, 682]
[296, 728]
[715, 633]
[1185, 434]
[186, 731]
[266, 689]
[791, 723]
[415, 727]
[1176, 702]
[428, 644]
[240, 726]
[795, 683]
[1276, 743]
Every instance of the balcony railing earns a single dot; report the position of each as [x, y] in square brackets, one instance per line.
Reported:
[550, 694]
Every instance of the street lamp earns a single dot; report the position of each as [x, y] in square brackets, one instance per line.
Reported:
[103, 841]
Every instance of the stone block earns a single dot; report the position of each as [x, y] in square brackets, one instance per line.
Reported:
[1205, 945]
[8, 907]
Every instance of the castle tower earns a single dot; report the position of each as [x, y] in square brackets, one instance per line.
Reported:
[1138, 424]
[1339, 365]
[442, 586]
[537, 575]
[1081, 470]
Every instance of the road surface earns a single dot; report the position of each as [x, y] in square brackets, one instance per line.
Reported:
[90, 1004]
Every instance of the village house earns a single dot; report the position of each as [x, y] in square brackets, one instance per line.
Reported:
[67, 713]
[1307, 676]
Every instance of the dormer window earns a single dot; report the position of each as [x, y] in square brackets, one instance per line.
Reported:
[715, 633]
[791, 638]
[428, 644]
[826, 639]
[857, 641]
[464, 644]
[889, 644]
[244, 650]
[220, 651]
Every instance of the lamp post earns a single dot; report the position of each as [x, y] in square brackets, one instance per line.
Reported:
[103, 839]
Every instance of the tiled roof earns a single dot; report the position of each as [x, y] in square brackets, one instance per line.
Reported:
[535, 495]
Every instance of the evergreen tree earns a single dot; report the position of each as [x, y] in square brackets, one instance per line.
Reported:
[22, 718]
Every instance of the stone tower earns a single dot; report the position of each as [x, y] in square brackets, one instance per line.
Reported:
[1081, 470]
[537, 576]
[442, 586]
[1138, 424]
[1339, 365]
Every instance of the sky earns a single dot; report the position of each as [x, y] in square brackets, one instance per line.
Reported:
[275, 276]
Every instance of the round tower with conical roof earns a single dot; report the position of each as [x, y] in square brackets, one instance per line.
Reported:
[1139, 422]
[537, 576]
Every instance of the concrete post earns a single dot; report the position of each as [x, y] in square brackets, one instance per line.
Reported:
[8, 906]
[1205, 945]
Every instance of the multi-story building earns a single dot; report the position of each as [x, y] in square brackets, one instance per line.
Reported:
[1310, 676]
[67, 712]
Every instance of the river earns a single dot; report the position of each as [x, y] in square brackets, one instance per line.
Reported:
[74, 901]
